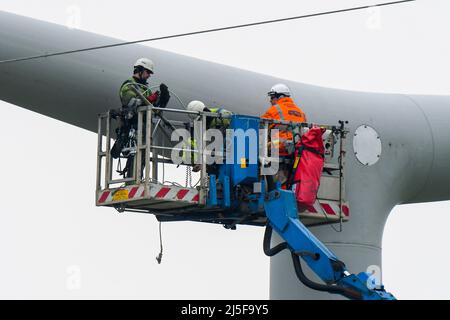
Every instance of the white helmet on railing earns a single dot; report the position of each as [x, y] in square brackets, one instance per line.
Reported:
[279, 89]
[146, 64]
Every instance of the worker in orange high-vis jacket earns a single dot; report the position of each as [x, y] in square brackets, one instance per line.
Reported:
[283, 108]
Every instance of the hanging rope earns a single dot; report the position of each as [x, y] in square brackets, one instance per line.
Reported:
[159, 257]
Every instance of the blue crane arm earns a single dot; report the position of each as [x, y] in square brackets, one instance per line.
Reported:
[282, 214]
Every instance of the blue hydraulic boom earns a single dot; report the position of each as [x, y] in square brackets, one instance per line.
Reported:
[282, 214]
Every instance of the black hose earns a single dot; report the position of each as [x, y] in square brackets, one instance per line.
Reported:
[266, 244]
[271, 184]
[351, 294]
[346, 292]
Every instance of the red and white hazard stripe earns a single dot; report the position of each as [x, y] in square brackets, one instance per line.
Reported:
[320, 209]
[329, 208]
[133, 192]
[159, 192]
[173, 193]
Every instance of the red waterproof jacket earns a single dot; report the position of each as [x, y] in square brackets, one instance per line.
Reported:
[308, 166]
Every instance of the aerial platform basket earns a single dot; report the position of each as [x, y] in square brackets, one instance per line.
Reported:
[242, 189]
[147, 193]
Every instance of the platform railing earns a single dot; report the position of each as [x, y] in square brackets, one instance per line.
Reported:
[147, 153]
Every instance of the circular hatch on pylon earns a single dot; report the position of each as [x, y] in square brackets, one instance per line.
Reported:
[367, 145]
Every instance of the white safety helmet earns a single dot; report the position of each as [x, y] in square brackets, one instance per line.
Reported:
[146, 64]
[280, 89]
[197, 106]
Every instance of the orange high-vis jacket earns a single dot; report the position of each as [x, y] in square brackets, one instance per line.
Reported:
[285, 110]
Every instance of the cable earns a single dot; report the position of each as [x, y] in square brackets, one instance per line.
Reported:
[347, 292]
[176, 96]
[204, 31]
[164, 172]
[159, 257]
[332, 226]
[266, 243]
[196, 183]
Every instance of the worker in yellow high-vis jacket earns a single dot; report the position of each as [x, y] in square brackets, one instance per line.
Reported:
[211, 123]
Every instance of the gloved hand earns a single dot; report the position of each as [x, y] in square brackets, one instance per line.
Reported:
[153, 97]
[163, 88]
[164, 97]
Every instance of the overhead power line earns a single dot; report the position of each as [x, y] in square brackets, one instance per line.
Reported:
[204, 31]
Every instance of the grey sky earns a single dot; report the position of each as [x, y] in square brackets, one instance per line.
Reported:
[51, 232]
